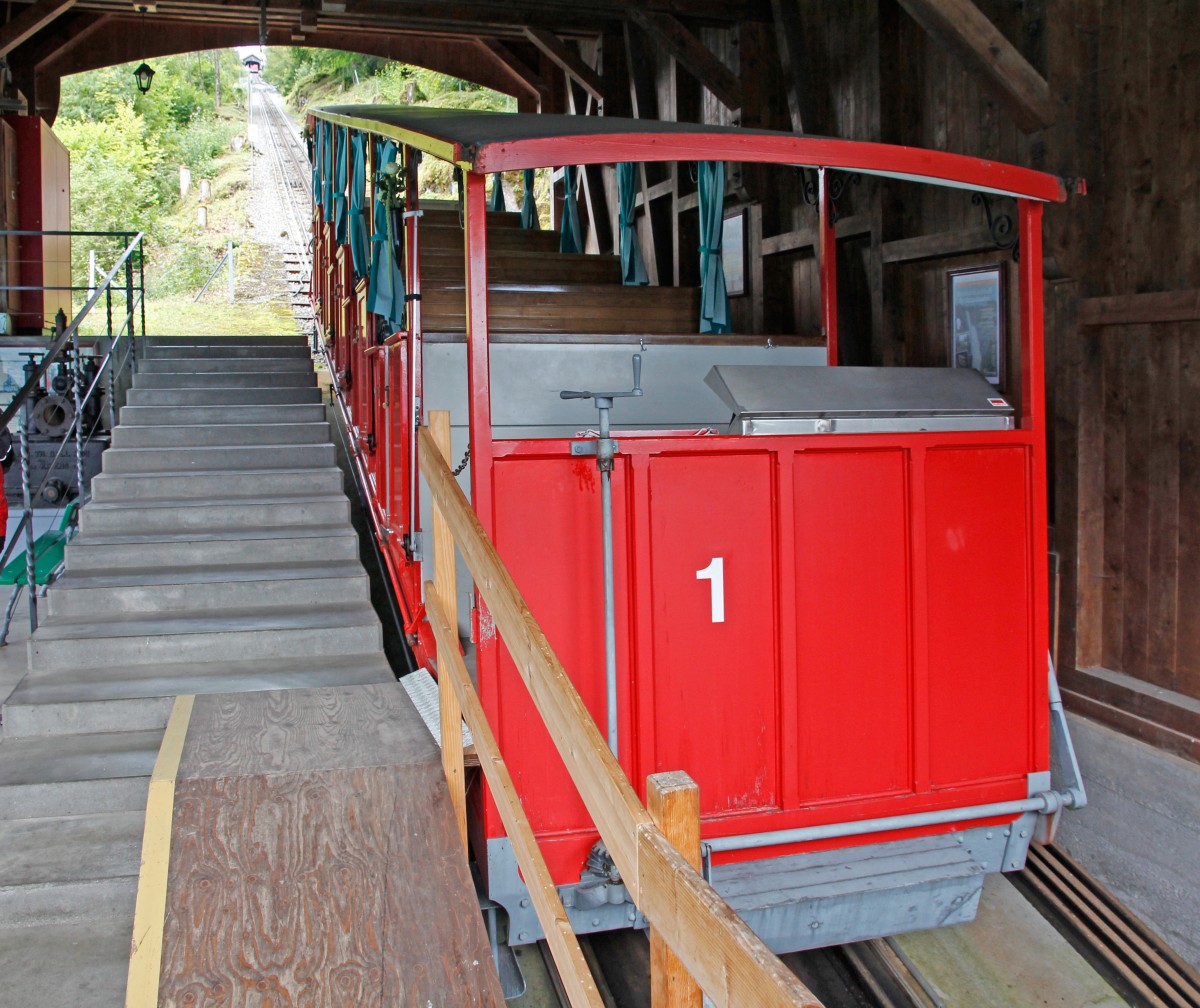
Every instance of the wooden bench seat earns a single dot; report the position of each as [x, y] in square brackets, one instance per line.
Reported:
[449, 237]
[440, 265]
[570, 308]
[447, 215]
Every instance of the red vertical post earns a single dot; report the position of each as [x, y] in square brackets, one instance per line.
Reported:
[412, 272]
[1033, 419]
[1033, 379]
[478, 365]
[827, 249]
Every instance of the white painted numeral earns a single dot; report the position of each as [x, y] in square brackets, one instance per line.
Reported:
[715, 574]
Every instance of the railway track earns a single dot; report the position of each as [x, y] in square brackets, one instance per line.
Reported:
[289, 175]
[1138, 964]
[871, 974]
[1143, 970]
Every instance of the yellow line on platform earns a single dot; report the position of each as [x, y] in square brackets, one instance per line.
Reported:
[145, 955]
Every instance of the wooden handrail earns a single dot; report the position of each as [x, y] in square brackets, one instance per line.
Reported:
[444, 591]
[730, 962]
[573, 969]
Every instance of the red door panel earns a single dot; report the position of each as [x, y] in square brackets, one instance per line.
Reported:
[853, 611]
[548, 533]
[716, 673]
[977, 542]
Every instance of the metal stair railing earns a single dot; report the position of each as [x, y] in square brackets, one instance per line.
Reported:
[66, 338]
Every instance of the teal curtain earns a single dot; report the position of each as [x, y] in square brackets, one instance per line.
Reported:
[633, 268]
[314, 155]
[714, 303]
[386, 293]
[327, 172]
[340, 178]
[497, 200]
[571, 236]
[529, 217]
[358, 220]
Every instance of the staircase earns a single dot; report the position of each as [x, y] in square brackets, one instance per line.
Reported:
[216, 555]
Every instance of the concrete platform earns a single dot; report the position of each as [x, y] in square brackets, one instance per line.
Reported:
[1140, 833]
[1008, 957]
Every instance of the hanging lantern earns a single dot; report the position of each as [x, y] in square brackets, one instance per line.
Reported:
[143, 75]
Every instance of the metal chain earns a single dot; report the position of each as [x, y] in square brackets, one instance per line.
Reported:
[465, 459]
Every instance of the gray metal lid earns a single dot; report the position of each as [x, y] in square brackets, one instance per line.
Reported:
[796, 391]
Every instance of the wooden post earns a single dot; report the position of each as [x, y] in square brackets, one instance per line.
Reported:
[572, 967]
[444, 585]
[673, 800]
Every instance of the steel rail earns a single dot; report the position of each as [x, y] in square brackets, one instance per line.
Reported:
[868, 974]
[289, 166]
[1138, 963]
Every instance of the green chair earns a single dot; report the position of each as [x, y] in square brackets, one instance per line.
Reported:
[48, 550]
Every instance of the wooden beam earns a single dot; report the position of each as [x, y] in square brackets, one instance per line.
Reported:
[572, 967]
[718, 948]
[806, 238]
[30, 21]
[790, 41]
[516, 69]
[936, 246]
[1136, 309]
[570, 62]
[690, 53]
[673, 799]
[964, 29]
[446, 592]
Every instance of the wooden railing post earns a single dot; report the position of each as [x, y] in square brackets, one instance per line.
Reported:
[673, 800]
[445, 586]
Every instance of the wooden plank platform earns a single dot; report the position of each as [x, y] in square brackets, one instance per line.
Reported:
[314, 858]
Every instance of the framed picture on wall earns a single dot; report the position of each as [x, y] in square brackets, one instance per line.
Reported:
[976, 320]
[733, 253]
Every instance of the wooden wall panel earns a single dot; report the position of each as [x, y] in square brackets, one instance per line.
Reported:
[1150, 426]
[1187, 590]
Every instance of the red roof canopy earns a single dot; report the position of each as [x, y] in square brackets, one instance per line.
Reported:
[506, 141]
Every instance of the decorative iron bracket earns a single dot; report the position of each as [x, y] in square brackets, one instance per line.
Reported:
[1000, 226]
[838, 181]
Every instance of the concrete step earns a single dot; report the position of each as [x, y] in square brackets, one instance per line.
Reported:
[144, 590]
[76, 774]
[162, 351]
[220, 434]
[44, 860]
[140, 416]
[181, 460]
[178, 517]
[216, 636]
[106, 900]
[203, 485]
[139, 697]
[225, 340]
[316, 544]
[91, 963]
[212, 364]
[252, 396]
[254, 379]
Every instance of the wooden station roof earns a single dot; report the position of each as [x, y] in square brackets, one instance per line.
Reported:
[513, 46]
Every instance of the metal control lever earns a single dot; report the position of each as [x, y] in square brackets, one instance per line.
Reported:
[605, 450]
[608, 397]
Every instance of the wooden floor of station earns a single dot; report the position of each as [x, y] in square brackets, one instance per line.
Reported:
[313, 850]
